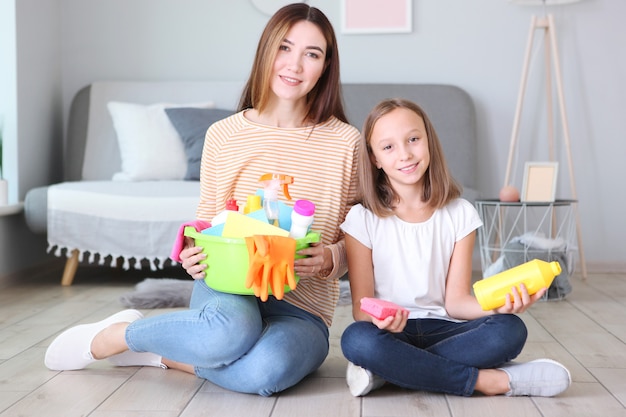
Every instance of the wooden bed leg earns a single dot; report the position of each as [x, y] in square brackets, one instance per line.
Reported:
[70, 269]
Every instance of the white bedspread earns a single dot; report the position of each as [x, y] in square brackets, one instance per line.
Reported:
[132, 220]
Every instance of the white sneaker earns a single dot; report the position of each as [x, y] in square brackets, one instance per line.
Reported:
[71, 350]
[538, 378]
[361, 381]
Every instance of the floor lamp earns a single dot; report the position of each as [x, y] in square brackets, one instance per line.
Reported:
[546, 24]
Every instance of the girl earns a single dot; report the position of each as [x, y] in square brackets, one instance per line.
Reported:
[290, 113]
[410, 241]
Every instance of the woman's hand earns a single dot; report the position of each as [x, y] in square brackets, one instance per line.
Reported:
[393, 324]
[520, 301]
[191, 256]
[319, 259]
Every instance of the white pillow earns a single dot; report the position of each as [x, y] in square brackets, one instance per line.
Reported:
[150, 147]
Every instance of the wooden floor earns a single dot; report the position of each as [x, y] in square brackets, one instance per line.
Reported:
[587, 332]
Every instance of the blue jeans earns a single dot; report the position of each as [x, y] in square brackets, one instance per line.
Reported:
[236, 341]
[435, 355]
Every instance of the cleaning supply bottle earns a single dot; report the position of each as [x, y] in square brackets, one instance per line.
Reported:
[270, 201]
[301, 218]
[271, 186]
[536, 274]
[253, 203]
[231, 205]
[220, 218]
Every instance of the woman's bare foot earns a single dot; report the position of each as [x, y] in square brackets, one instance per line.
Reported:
[109, 341]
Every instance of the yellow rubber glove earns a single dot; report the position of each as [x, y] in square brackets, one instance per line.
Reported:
[270, 265]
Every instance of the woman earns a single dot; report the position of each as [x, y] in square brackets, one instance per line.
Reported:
[290, 121]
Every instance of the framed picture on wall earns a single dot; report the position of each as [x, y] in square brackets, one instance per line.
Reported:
[376, 16]
[539, 182]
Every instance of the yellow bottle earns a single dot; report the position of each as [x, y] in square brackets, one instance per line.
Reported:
[536, 274]
[253, 203]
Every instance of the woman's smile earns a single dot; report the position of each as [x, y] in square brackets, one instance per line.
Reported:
[289, 80]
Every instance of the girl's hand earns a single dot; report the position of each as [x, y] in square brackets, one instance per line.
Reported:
[318, 260]
[393, 324]
[520, 300]
[190, 256]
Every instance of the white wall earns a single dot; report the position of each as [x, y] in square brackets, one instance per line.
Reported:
[39, 80]
[30, 99]
[8, 89]
[475, 44]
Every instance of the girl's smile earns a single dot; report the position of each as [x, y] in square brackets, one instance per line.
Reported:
[410, 169]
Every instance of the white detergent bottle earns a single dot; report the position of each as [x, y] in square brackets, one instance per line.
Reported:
[302, 218]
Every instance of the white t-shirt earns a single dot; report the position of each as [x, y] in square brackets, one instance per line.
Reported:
[411, 260]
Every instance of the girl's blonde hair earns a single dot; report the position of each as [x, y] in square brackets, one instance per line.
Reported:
[375, 190]
[325, 99]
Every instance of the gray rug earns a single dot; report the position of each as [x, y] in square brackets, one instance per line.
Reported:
[171, 293]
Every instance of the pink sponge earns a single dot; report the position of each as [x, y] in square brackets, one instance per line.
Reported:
[379, 309]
